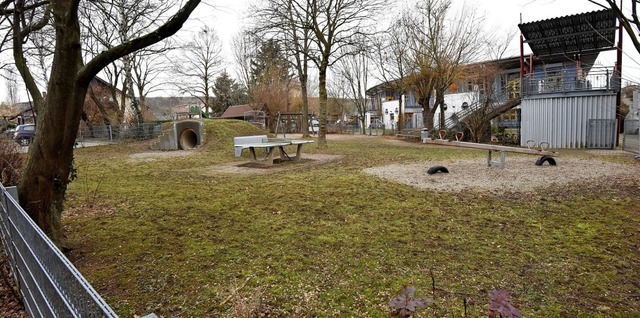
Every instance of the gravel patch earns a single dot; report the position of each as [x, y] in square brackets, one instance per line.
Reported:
[519, 175]
[252, 168]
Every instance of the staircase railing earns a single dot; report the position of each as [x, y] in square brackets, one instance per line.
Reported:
[498, 103]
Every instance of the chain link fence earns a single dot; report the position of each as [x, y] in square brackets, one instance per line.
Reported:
[630, 138]
[50, 286]
[119, 133]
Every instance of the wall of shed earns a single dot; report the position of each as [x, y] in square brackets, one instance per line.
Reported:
[561, 120]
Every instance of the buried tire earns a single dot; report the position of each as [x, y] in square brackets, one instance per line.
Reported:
[436, 169]
[543, 159]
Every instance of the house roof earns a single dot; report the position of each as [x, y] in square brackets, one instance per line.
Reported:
[186, 108]
[19, 109]
[579, 33]
[236, 111]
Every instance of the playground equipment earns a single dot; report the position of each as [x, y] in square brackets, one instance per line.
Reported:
[533, 148]
[184, 135]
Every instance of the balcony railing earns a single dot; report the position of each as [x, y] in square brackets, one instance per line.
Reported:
[571, 80]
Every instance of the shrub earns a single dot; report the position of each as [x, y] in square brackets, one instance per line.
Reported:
[11, 162]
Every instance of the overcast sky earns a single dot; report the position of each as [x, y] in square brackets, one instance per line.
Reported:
[228, 18]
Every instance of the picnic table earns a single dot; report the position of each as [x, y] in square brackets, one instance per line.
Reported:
[268, 145]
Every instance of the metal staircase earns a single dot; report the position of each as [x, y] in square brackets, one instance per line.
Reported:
[495, 107]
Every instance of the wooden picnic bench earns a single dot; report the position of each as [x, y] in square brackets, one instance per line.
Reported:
[269, 145]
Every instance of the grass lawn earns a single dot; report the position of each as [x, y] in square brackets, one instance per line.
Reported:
[169, 236]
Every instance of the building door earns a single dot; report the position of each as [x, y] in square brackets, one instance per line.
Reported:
[601, 134]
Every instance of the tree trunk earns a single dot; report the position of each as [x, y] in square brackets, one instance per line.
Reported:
[427, 113]
[49, 166]
[305, 106]
[128, 82]
[440, 104]
[322, 88]
[400, 114]
[42, 190]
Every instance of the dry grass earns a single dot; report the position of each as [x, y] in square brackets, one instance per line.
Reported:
[11, 162]
[177, 237]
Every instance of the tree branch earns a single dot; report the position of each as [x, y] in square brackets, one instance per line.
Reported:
[166, 30]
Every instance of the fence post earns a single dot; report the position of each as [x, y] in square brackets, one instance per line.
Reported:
[13, 191]
[110, 135]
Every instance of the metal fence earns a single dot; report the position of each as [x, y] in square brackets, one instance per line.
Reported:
[115, 133]
[601, 134]
[50, 286]
[570, 80]
[631, 136]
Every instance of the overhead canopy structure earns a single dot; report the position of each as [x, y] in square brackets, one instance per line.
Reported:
[590, 32]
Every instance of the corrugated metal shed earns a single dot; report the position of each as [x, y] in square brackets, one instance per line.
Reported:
[562, 119]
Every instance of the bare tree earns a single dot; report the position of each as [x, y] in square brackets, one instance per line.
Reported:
[333, 25]
[339, 104]
[149, 67]
[244, 51]
[478, 124]
[491, 102]
[285, 21]
[393, 56]
[198, 65]
[421, 75]
[442, 47]
[50, 159]
[129, 19]
[42, 53]
[11, 82]
[354, 70]
[271, 79]
[5, 31]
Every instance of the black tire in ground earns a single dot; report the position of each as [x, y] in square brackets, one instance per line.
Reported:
[543, 159]
[436, 169]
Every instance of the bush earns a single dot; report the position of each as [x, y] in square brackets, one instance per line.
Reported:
[11, 162]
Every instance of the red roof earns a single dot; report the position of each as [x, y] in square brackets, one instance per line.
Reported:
[236, 111]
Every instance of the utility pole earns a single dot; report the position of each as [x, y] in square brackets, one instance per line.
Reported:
[618, 74]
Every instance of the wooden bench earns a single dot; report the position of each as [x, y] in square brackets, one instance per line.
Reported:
[268, 145]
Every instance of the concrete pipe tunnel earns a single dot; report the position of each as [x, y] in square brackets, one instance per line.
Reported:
[189, 134]
[184, 135]
[188, 139]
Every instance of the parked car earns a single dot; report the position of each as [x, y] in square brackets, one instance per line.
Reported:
[24, 134]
